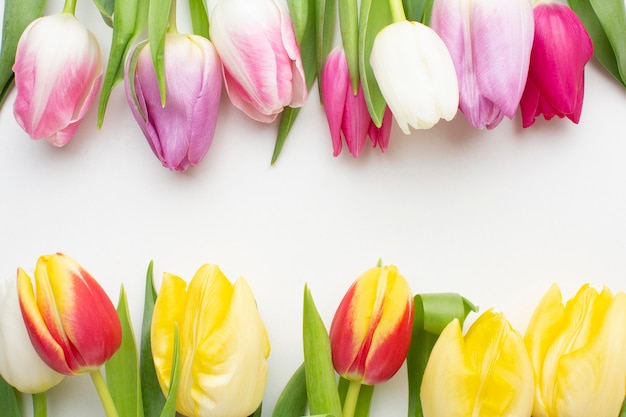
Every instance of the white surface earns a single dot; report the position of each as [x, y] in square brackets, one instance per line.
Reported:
[492, 214]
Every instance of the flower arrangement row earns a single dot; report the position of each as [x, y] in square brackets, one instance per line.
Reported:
[203, 349]
[416, 60]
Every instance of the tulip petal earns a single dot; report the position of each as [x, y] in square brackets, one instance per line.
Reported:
[335, 82]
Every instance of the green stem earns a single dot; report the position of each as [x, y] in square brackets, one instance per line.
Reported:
[352, 396]
[103, 392]
[397, 10]
[172, 28]
[69, 6]
[40, 406]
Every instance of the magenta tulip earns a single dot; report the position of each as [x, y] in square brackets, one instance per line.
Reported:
[556, 79]
[58, 72]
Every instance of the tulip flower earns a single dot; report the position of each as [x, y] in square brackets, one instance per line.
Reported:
[20, 365]
[223, 344]
[490, 43]
[487, 373]
[347, 112]
[415, 74]
[556, 78]
[261, 59]
[179, 133]
[58, 72]
[577, 352]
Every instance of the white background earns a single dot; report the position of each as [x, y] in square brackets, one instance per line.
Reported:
[494, 215]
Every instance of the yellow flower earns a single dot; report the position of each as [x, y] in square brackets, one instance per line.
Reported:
[223, 344]
[486, 374]
[578, 353]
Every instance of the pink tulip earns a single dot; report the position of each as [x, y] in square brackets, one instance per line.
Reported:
[180, 133]
[58, 71]
[490, 43]
[556, 79]
[261, 59]
[347, 113]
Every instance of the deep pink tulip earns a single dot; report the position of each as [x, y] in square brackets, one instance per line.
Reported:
[490, 43]
[58, 72]
[261, 58]
[347, 113]
[180, 133]
[556, 79]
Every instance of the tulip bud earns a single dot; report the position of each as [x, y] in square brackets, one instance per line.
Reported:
[20, 365]
[223, 344]
[415, 74]
[371, 331]
[262, 66]
[58, 71]
[577, 352]
[487, 373]
[180, 133]
[556, 78]
[347, 112]
[71, 321]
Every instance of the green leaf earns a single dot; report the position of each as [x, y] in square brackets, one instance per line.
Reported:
[17, 15]
[169, 409]
[300, 10]
[623, 412]
[122, 370]
[612, 16]
[258, 411]
[375, 15]
[325, 30]
[349, 24]
[151, 394]
[321, 385]
[363, 402]
[8, 399]
[292, 400]
[106, 8]
[158, 23]
[414, 9]
[199, 18]
[432, 312]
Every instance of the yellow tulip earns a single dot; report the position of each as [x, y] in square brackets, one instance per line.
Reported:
[486, 374]
[223, 344]
[578, 352]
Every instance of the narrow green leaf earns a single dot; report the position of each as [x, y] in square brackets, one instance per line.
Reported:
[199, 18]
[292, 400]
[151, 394]
[169, 409]
[623, 412]
[106, 8]
[612, 16]
[375, 15]
[413, 9]
[8, 399]
[300, 10]
[349, 24]
[428, 10]
[432, 312]
[321, 384]
[363, 402]
[158, 22]
[17, 15]
[122, 370]
[258, 411]
[325, 18]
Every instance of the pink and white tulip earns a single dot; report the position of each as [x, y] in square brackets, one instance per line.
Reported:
[180, 133]
[490, 43]
[556, 79]
[58, 72]
[261, 59]
[347, 113]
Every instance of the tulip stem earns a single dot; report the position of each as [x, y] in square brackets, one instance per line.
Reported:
[40, 406]
[69, 6]
[172, 28]
[103, 392]
[352, 396]
[397, 10]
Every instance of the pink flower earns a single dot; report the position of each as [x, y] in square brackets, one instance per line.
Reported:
[58, 71]
[180, 133]
[347, 113]
[556, 79]
[261, 59]
[490, 43]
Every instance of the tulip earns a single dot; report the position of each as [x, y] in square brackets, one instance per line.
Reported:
[70, 319]
[20, 365]
[347, 112]
[261, 59]
[371, 330]
[577, 352]
[179, 133]
[58, 72]
[556, 78]
[487, 373]
[490, 43]
[223, 344]
[415, 74]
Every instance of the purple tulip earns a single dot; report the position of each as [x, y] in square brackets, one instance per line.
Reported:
[180, 133]
[556, 79]
[58, 72]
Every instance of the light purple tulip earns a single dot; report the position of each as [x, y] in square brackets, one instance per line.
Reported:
[180, 133]
[261, 59]
[58, 72]
[556, 79]
[347, 113]
[490, 43]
